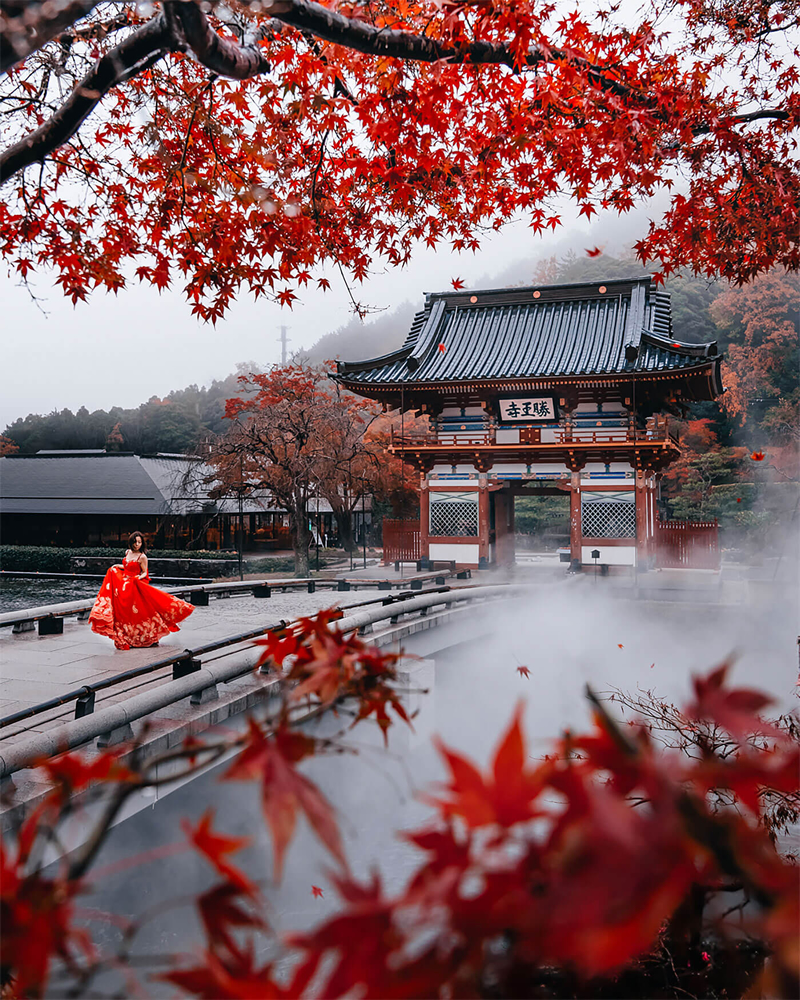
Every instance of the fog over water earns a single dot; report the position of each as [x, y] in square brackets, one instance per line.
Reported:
[566, 635]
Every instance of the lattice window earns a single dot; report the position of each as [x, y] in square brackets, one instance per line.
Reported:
[608, 515]
[454, 514]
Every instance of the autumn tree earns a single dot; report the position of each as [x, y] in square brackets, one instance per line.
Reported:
[296, 435]
[7, 446]
[759, 329]
[235, 146]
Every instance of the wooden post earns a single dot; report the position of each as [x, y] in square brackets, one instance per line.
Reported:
[575, 540]
[642, 539]
[483, 521]
[424, 517]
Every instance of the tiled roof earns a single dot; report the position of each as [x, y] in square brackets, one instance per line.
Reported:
[619, 327]
[77, 483]
[67, 484]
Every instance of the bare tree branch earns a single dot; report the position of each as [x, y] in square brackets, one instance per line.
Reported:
[117, 65]
[27, 25]
[220, 55]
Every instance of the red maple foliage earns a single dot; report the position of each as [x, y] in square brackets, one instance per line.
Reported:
[270, 759]
[523, 671]
[236, 152]
[582, 861]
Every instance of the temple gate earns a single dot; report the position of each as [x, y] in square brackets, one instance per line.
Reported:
[538, 391]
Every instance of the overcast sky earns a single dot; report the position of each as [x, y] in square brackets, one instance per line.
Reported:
[122, 350]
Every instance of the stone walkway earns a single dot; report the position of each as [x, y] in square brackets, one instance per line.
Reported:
[35, 668]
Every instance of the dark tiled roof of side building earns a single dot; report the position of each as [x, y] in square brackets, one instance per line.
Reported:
[97, 483]
[78, 484]
[613, 327]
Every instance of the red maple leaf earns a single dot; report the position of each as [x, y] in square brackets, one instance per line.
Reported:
[732, 708]
[328, 664]
[505, 795]
[620, 646]
[523, 671]
[37, 914]
[220, 912]
[270, 759]
[594, 252]
[441, 348]
[73, 772]
[232, 979]
[215, 846]
[757, 456]
[316, 892]
[457, 283]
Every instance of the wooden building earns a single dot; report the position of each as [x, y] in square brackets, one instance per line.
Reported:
[90, 497]
[540, 391]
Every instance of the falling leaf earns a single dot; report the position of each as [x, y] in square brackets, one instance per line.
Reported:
[620, 646]
[316, 892]
[652, 665]
[441, 348]
[457, 283]
[594, 252]
[738, 499]
[757, 456]
[523, 671]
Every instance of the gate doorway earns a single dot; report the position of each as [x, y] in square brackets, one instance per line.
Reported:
[501, 528]
[541, 520]
[522, 519]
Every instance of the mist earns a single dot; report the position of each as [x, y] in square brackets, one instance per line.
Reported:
[568, 632]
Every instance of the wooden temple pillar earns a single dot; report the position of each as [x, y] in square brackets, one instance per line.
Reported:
[424, 517]
[575, 535]
[484, 500]
[643, 531]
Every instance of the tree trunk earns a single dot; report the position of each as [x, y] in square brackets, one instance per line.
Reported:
[344, 522]
[301, 539]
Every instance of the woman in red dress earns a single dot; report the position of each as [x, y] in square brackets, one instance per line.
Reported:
[131, 611]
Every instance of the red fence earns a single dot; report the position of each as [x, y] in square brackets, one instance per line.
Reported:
[401, 541]
[687, 544]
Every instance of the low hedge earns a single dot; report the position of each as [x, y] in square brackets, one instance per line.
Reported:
[50, 559]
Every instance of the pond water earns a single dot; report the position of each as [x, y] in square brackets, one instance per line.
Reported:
[17, 593]
[565, 641]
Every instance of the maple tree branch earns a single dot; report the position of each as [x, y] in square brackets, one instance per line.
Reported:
[150, 42]
[180, 25]
[408, 46]
[775, 114]
[220, 55]
[27, 25]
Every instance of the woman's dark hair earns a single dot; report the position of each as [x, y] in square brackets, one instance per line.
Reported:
[134, 535]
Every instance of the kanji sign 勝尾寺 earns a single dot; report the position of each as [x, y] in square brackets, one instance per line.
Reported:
[527, 408]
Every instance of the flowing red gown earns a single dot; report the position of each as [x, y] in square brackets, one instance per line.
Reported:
[132, 612]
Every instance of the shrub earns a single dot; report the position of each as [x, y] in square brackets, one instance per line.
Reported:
[50, 559]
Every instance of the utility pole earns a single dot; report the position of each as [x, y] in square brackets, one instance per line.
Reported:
[283, 341]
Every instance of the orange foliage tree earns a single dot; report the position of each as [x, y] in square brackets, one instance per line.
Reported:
[297, 435]
[7, 446]
[233, 147]
[760, 324]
